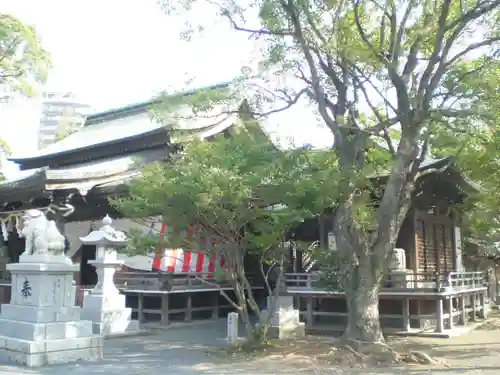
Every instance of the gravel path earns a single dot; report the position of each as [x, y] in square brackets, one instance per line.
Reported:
[183, 351]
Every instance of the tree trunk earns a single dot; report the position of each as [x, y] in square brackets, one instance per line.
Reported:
[360, 275]
[363, 321]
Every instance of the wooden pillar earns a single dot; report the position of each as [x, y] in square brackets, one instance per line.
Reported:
[189, 307]
[474, 309]
[450, 310]
[439, 315]
[215, 307]
[482, 302]
[418, 309]
[140, 308]
[463, 313]
[164, 309]
[406, 315]
[309, 307]
[297, 302]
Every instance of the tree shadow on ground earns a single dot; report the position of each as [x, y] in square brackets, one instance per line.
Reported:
[191, 350]
[186, 350]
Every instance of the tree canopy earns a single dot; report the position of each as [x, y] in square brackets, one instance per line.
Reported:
[240, 194]
[23, 60]
[476, 144]
[383, 71]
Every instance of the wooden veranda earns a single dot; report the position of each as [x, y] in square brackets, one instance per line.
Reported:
[429, 301]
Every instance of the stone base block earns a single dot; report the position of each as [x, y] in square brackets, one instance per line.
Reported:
[104, 302]
[285, 321]
[287, 332]
[48, 352]
[106, 315]
[402, 278]
[116, 328]
[282, 317]
[111, 321]
[280, 302]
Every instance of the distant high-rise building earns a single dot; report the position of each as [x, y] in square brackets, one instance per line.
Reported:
[62, 114]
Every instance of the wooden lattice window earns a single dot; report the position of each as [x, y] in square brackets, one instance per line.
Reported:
[434, 245]
[419, 245]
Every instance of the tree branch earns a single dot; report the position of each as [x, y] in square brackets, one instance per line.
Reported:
[396, 51]
[460, 113]
[318, 90]
[435, 59]
[404, 104]
[444, 63]
[479, 10]
[227, 14]
[470, 48]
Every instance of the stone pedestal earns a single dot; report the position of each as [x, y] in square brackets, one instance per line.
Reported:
[41, 325]
[285, 322]
[402, 279]
[104, 305]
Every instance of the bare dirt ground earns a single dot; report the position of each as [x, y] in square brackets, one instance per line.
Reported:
[474, 353]
[196, 349]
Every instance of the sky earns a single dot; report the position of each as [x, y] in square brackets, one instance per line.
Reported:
[115, 52]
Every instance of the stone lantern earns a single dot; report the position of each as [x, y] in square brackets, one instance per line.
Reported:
[104, 305]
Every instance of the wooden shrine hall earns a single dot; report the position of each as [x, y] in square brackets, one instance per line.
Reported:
[427, 286]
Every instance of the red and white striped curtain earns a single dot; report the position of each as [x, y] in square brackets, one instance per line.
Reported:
[178, 261]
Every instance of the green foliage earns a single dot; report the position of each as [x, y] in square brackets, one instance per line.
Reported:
[394, 72]
[23, 61]
[331, 269]
[5, 148]
[475, 141]
[376, 72]
[237, 190]
[227, 188]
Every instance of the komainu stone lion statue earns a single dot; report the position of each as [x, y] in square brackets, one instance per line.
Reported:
[42, 236]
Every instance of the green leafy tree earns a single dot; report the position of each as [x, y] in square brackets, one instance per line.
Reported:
[370, 69]
[23, 61]
[478, 143]
[238, 190]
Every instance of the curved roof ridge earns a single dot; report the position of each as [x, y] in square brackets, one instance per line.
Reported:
[140, 107]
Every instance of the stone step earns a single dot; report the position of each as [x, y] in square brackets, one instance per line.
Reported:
[44, 331]
[49, 352]
[32, 347]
